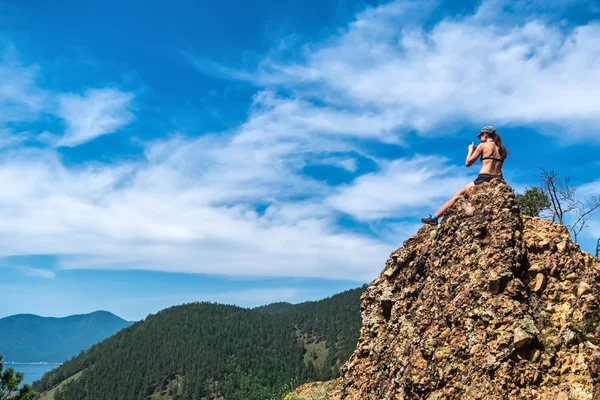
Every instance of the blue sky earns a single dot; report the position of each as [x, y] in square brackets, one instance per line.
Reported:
[251, 152]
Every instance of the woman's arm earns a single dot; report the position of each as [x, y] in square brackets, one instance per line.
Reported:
[472, 156]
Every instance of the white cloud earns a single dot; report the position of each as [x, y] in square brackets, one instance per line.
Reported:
[98, 112]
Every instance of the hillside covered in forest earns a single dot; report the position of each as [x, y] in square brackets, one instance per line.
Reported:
[206, 351]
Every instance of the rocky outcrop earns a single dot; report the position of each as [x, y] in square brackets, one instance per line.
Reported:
[489, 304]
[331, 390]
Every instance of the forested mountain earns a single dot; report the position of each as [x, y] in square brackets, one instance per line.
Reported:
[204, 350]
[31, 338]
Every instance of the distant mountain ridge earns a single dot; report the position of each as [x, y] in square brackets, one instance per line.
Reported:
[31, 338]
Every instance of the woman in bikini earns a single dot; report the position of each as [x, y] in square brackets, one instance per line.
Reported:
[492, 153]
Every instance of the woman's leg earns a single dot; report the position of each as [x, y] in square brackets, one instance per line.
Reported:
[451, 202]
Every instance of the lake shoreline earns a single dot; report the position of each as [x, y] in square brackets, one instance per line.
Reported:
[32, 371]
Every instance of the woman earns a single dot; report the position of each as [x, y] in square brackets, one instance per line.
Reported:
[492, 153]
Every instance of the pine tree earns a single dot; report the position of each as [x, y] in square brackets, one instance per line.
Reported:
[9, 383]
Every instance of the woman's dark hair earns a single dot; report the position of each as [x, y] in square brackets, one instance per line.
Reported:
[498, 141]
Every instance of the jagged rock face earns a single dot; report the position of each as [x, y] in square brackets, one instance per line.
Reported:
[487, 305]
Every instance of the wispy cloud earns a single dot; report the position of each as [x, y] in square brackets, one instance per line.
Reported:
[8, 138]
[167, 214]
[214, 69]
[20, 98]
[347, 163]
[483, 68]
[37, 272]
[98, 112]
[590, 189]
[399, 188]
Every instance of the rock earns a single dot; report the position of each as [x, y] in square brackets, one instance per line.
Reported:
[561, 247]
[536, 377]
[387, 295]
[589, 298]
[562, 396]
[569, 337]
[317, 390]
[572, 276]
[522, 338]
[515, 288]
[494, 286]
[540, 281]
[536, 268]
[469, 210]
[583, 288]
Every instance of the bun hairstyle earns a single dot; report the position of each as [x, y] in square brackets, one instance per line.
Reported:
[492, 134]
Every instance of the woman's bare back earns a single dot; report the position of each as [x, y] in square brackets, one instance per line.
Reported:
[490, 159]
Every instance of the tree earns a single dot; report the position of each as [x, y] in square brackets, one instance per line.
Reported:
[533, 201]
[9, 383]
[565, 207]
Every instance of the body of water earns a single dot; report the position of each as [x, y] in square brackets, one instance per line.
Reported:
[32, 372]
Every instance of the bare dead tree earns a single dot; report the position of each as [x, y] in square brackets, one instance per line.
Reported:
[566, 208]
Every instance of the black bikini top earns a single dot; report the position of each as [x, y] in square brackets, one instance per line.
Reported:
[492, 158]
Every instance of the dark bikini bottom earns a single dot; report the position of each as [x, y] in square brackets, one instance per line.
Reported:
[486, 178]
